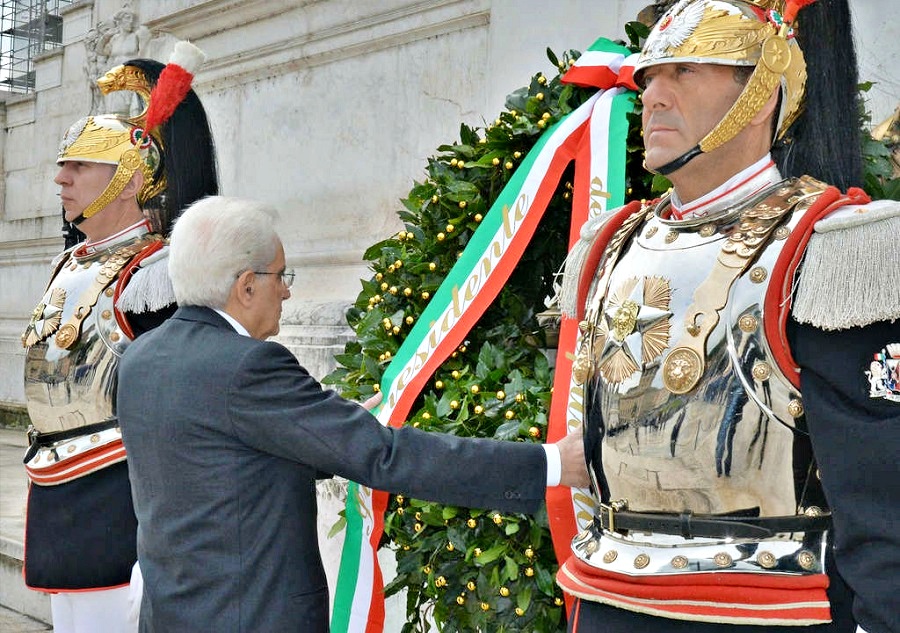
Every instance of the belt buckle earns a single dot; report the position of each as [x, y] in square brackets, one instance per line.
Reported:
[610, 509]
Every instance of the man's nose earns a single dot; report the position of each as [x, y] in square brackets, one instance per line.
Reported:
[655, 95]
[61, 175]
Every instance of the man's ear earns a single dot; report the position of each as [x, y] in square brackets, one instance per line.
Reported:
[243, 287]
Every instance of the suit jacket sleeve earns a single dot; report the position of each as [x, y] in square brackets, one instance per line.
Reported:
[277, 407]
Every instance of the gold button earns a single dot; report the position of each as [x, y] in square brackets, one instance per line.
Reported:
[610, 556]
[767, 560]
[795, 408]
[679, 562]
[722, 559]
[591, 547]
[748, 323]
[641, 561]
[806, 559]
[761, 371]
[106, 314]
[758, 275]
[71, 448]
[114, 336]
[813, 511]
[109, 292]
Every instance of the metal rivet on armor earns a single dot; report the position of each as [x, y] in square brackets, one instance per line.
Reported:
[761, 371]
[782, 232]
[71, 448]
[106, 314]
[795, 408]
[591, 547]
[679, 562]
[651, 231]
[758, 275]
[767, 560]
[671, 236]
[707, 230]
[95, 438]
[109, 292]
[806, 559]
[114, 336]
[722, 559]
[813, 511]
[748, 323]
[610, 556]
[641, 561]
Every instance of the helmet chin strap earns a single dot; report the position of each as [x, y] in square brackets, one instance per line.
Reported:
[128, 164]
[762, 82]
[678, 163]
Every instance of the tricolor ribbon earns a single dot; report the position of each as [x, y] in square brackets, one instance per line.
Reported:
[594, 137]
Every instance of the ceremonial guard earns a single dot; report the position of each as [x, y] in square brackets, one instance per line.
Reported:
[123, 181]
[738, 341]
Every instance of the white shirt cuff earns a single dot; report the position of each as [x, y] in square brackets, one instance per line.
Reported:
[554, 464]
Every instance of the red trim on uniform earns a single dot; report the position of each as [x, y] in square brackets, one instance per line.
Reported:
[598, 248]
[777, 305]
[575, 613]
[124, 277]
[84, 464]
[717, 597]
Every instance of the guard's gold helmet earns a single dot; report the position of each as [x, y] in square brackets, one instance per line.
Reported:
[132, 143]
[757, 34]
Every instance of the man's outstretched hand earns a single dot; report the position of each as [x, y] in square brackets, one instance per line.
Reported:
[574, 468]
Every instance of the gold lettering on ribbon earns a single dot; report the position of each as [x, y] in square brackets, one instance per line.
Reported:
[599, 196]
[460, 300]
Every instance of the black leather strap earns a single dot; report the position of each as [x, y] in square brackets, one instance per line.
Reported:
[38, 440]
[690, 525]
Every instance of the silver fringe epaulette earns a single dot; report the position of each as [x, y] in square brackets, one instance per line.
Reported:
[150, 288]
[849, 272]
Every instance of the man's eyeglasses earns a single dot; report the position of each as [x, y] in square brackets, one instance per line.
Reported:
[287, 277]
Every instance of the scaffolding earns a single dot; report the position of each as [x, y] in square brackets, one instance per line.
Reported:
[27, 29]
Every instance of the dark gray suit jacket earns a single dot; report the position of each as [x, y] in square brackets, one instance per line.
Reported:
[225, 438]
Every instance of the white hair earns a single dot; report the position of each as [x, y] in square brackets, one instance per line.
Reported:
[213, 242]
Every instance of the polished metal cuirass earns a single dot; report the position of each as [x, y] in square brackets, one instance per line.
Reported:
[74, 342]
[713, 434]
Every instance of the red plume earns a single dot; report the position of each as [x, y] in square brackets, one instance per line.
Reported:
[173, 84]
[791, 8]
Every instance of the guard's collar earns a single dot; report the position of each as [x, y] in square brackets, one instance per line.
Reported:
[761, 174]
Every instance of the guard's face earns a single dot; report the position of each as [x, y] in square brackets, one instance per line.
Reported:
[269, 291]
[80, 183]
[683, 102]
